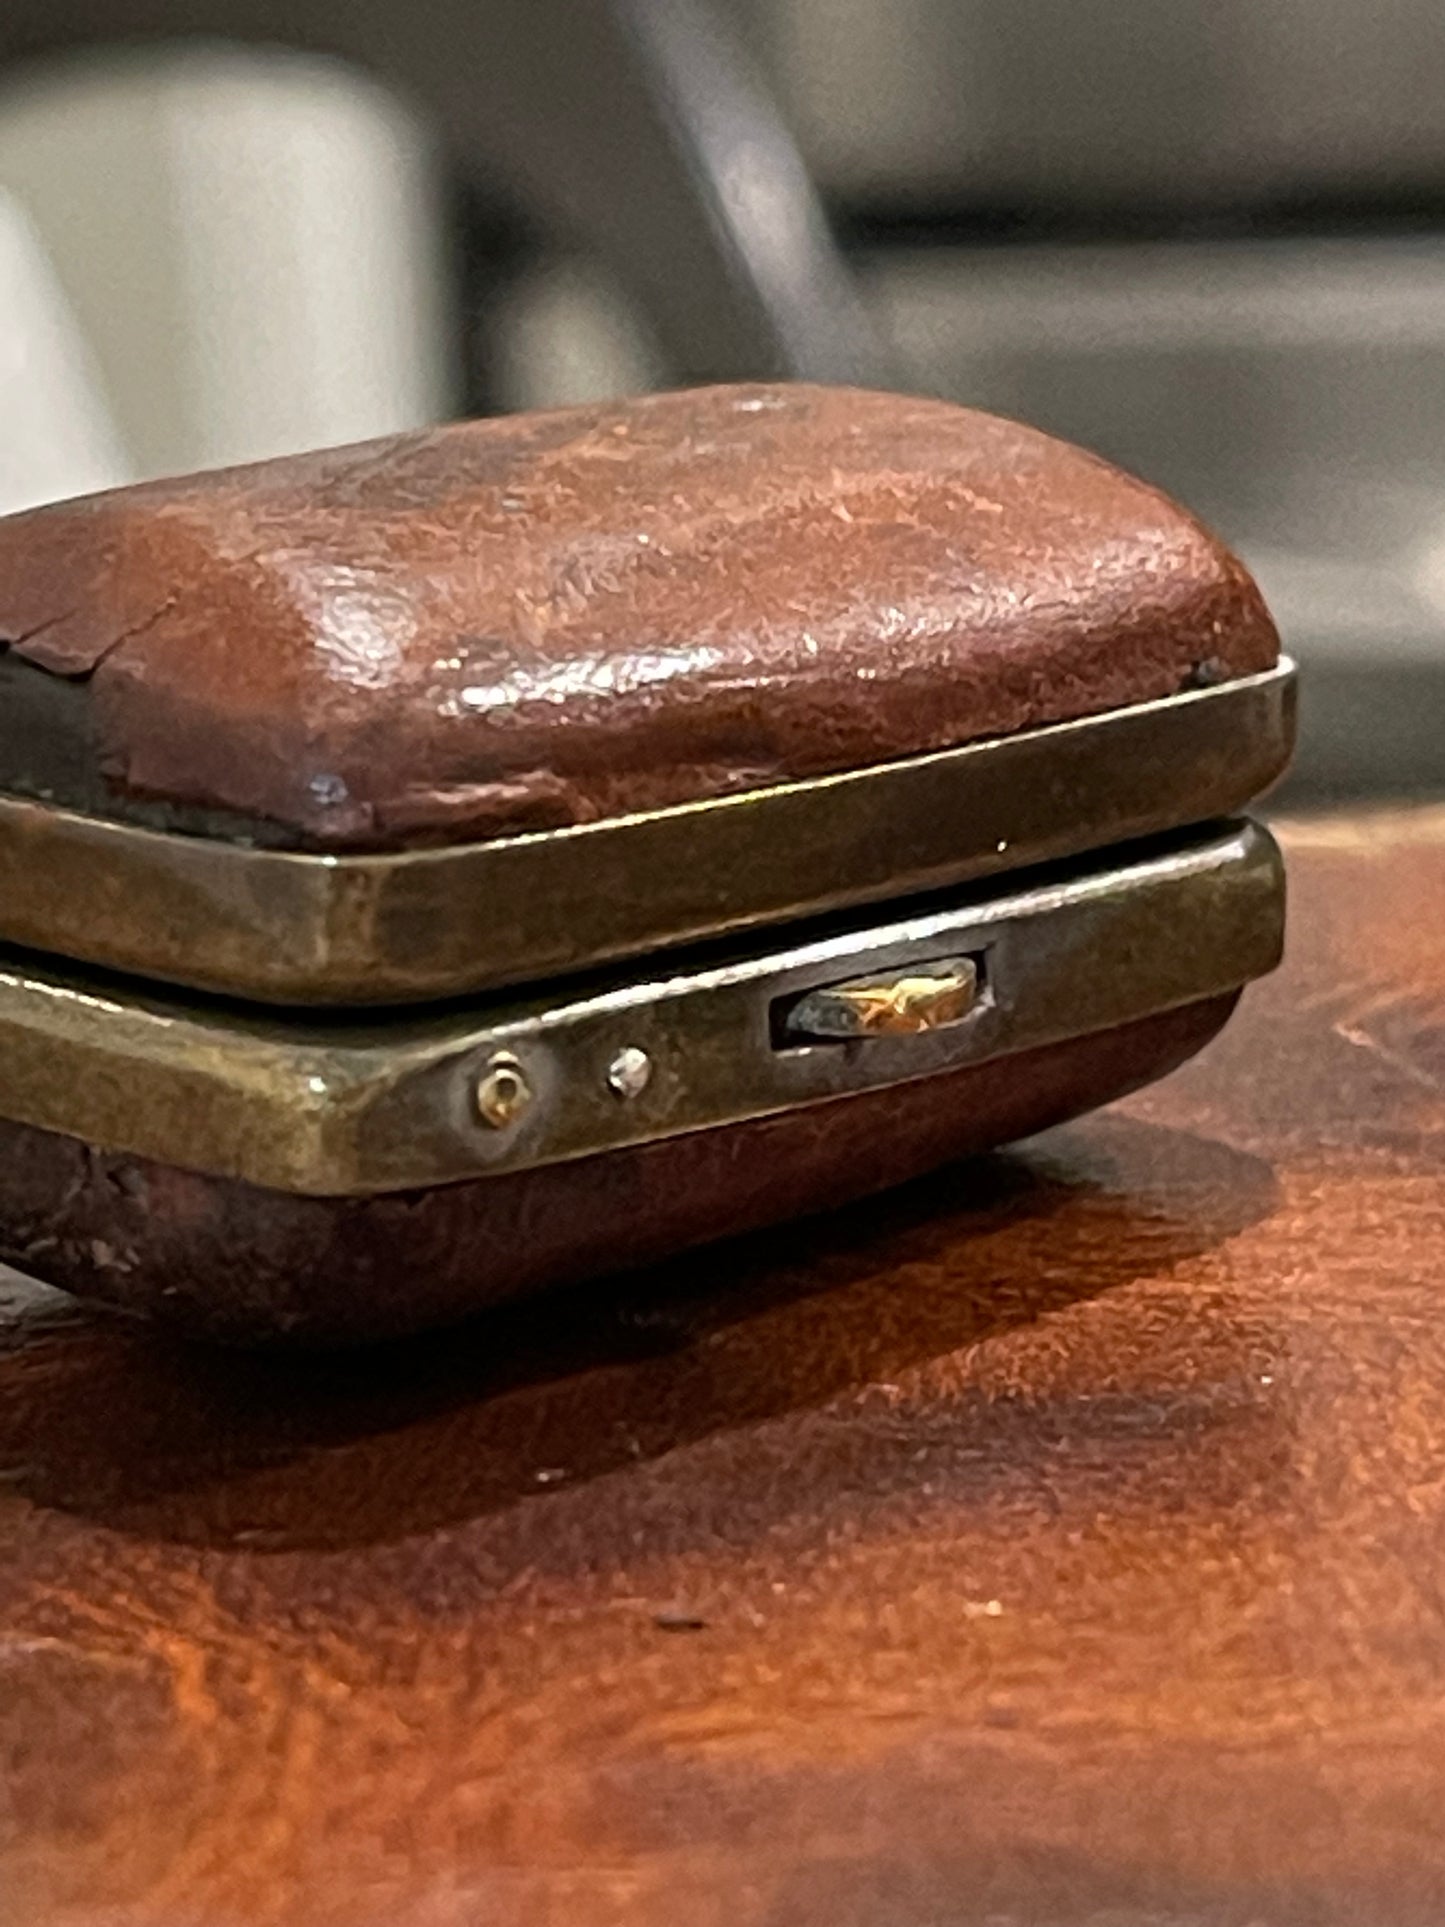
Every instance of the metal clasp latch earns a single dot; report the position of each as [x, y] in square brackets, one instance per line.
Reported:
[921, 998]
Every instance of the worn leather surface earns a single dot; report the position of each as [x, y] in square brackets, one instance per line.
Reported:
[229, 1259]
[543, 620]
[1064, 1532]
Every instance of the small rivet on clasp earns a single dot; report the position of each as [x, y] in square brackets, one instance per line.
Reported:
[503, 1092]
[630, 1072]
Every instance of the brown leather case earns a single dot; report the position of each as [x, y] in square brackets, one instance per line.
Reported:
[497, 629]
[516, 624]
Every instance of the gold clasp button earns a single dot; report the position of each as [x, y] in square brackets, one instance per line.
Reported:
[914, 1001]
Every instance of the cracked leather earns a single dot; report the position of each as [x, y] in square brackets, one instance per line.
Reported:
[494, 627]
[507, 625]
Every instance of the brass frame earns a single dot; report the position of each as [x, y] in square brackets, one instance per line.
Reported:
[278, 927]
[377, 1104]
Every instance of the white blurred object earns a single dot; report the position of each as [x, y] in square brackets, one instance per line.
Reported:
[251, 242]
[563, 333]
[56, 434]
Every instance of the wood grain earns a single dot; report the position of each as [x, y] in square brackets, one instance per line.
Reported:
[1062, 1540]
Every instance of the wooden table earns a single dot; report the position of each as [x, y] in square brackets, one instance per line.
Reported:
[1061, 1541]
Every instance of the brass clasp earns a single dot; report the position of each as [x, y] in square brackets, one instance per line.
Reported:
[916, 1000]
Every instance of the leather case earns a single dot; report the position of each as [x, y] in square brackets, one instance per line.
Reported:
[442, 868]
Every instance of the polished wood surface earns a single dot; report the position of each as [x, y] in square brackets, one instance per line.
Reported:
[1060, 1541]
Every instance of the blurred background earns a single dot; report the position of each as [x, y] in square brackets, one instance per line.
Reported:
[1206, 237]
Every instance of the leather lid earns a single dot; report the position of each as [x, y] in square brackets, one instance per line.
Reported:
[549, 619]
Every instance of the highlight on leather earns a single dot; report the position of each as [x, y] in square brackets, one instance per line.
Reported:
[522, 623]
